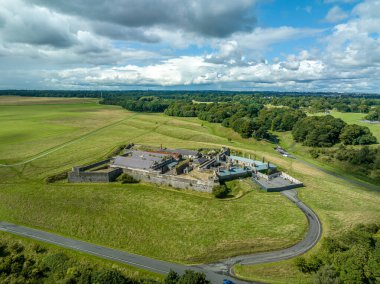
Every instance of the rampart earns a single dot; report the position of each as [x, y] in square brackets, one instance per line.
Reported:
[81, 173]
[171, 180]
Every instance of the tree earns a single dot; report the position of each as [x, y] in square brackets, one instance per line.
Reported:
[357, 135]
[220, 191]
[318, 131]
[192, 277]
[110, 277]
[373, 115]
[327, 275]
[172, 277]
[126, 178]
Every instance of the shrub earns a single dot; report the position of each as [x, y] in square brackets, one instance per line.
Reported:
[110, 276]
[189, 277]
[38, 248]
[56, 177]
[327, 275]
[126, 178]
[172, 277]
[308, 266]
[220, 191]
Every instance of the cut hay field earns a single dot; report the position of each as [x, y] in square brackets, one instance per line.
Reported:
[157, 222]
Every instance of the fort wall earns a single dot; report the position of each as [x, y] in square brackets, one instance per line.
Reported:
[171, 180]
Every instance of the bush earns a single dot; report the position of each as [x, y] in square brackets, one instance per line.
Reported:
[126, 178]
[357, 135]
[57, 177]
[308, 266]
[189, 277]
[220, 191]
[111, 277]
[327, 275]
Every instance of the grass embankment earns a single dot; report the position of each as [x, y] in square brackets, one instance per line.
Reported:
[163, 223]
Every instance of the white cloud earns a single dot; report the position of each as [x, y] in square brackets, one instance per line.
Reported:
[335, 14]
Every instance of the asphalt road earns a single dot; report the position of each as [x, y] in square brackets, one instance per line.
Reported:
[215, 272]
[138, 261]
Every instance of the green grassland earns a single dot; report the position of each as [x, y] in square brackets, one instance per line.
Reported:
[161, 223]
[158, 222]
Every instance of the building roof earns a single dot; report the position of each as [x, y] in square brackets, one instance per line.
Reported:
[200, 160]
[140, 160]
[183, 152]
[232, 171]
[259, 164]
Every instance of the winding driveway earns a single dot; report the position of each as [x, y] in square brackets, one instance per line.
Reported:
[215, 272]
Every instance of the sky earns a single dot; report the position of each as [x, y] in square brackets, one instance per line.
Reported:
[277, 45]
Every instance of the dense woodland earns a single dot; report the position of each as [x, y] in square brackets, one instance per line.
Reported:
[353, 257]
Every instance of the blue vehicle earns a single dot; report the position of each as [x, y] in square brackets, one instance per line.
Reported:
[226, 281]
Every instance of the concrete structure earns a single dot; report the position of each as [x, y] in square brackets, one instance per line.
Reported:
[233, 173]
[96, 172]
[276, 182]
[254, 164]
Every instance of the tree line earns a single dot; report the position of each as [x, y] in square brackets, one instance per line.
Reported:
[353, 257]
[326, 131]
[33, 263]
[364, 160]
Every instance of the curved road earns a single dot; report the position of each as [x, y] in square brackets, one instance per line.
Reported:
[215, 272]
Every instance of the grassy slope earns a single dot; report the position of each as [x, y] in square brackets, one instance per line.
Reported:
[339, 204]
[332, 204]
[166, 224]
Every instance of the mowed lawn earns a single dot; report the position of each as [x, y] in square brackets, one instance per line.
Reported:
[160, 222]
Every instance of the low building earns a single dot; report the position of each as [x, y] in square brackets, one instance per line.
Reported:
[144, 160]
[96, 172]
[232, 173]
[253, 164]
[185, 153]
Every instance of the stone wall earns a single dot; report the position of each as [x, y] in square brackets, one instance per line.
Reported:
[268, 177]
[290, 178]
[277, 189]
[91, 166]
[80, 174]
[171, 180]
[94, 176]
[234, 176]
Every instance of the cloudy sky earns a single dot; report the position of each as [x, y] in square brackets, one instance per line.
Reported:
[315, 45]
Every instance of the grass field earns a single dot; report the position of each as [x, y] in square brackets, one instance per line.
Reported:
[161, 223]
